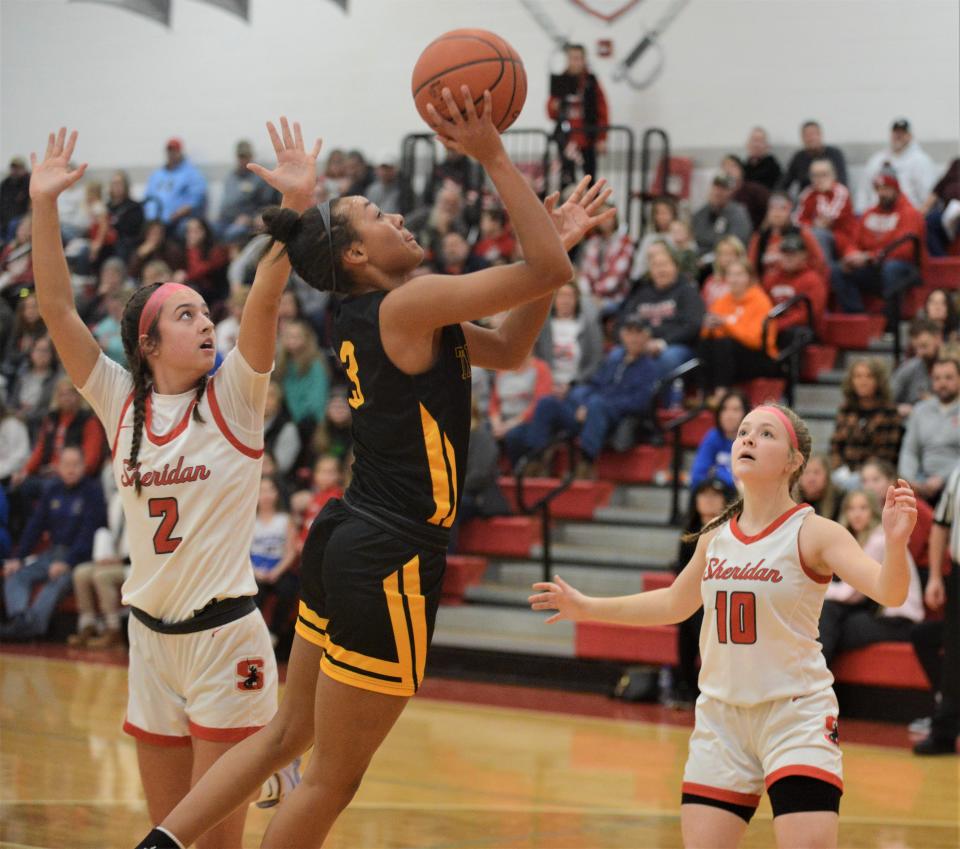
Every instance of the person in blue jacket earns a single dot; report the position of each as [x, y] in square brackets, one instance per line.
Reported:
[71, 508]
[713, 453]
[177, 191]
[621, 386]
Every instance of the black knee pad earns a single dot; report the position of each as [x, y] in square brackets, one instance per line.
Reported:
[794, 794]
[745, 812]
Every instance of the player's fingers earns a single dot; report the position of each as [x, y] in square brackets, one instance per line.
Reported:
[581, 187]
[76, 174]
[71, 144]
[598, 203]
[546, 586]
[259, 170]
[455, 116]
[555, 618]
[285, 130]
[487, 105]
[58, 144]
[317, 147]
[595, 190]
[298, 136]
[51, 141]
[551, 201]
[468, 105]
[437, 121]
[33, 161]
[275, 139]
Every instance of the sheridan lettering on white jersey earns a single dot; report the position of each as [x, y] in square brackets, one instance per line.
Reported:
[761, 614]
[191, 527]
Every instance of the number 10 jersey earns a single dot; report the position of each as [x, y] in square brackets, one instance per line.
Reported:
[761, 614]
[190, 529]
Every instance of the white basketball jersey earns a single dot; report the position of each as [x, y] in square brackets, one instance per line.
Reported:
[191, 527]
[761, 614]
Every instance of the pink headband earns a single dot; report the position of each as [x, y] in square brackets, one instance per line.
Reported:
[151, 309]
[786, 423]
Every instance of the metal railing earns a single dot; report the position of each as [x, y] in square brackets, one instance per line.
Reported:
[788, 357]
[542, 505]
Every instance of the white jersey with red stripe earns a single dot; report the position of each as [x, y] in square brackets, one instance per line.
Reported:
[761, 614]
[191, 527]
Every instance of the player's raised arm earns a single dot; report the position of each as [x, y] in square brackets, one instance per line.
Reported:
[75, 344]
[426, 303]
[664, 606]
[295, 177]
[507, 346]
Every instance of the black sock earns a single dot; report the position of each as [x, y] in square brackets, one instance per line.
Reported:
[159, 839]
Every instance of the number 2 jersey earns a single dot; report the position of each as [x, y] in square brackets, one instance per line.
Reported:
[410, 431]
[761, 615]
[190, 529]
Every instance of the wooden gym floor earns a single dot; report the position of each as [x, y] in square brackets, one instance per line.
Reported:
[460, 771]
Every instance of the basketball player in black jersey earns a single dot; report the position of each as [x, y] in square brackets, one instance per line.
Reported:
[373, 563]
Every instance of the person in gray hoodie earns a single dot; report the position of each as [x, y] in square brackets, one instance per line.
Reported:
[931, 445]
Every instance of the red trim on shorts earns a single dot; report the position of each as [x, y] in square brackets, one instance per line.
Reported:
[173, 434]
[123, 412]
[769, 529]
[748, 800]
[168, 740]
[813, 576]
[252, 453]
[222, 735]
[808, 771]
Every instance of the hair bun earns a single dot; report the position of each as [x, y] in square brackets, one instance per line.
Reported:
[282, 224]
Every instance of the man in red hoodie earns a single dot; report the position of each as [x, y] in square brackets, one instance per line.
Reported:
[826, 208]
[880, 258]
[795, 276]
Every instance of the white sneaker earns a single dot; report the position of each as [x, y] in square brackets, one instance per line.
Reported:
[279, 785]
[920, 726]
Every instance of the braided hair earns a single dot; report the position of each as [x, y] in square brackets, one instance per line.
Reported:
[804, 447]
[316, 256]
[140, 370]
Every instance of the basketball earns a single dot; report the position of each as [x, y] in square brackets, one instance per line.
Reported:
[477, 59]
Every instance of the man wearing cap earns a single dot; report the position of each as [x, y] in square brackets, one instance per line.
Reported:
[621, 386]
[244, 196]
[384, 191]
[720, 216]
[914, 167]
[798, 171]
[792, 276]
[176, 191]
[14, 196]
[880, 258]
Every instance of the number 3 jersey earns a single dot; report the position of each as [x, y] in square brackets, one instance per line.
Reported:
[410, 431]
[190, 529]
[761, 614]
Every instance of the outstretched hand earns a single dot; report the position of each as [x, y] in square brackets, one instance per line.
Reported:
[54, 174]
[899, 512]
[581, 211]
[560, 596]
[296, 171]
[467, 132]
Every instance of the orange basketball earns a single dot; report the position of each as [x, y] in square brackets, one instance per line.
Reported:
[477, 59]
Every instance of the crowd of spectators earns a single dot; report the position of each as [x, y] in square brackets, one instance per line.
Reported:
[696, 285]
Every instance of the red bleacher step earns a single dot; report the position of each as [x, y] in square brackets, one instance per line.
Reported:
[462, 572]
[503, 536]
[691, 432]
[655, 644]
[943, 271]
[579, 501]
[763, 389]
[638, 465]
[881, 665]
[815, 360]
[852, 331]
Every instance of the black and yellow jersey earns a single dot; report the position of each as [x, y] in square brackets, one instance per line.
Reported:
[410, 431]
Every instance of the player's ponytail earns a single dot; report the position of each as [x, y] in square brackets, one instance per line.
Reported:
[804, 447]
[140, 370]
[315, 252]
